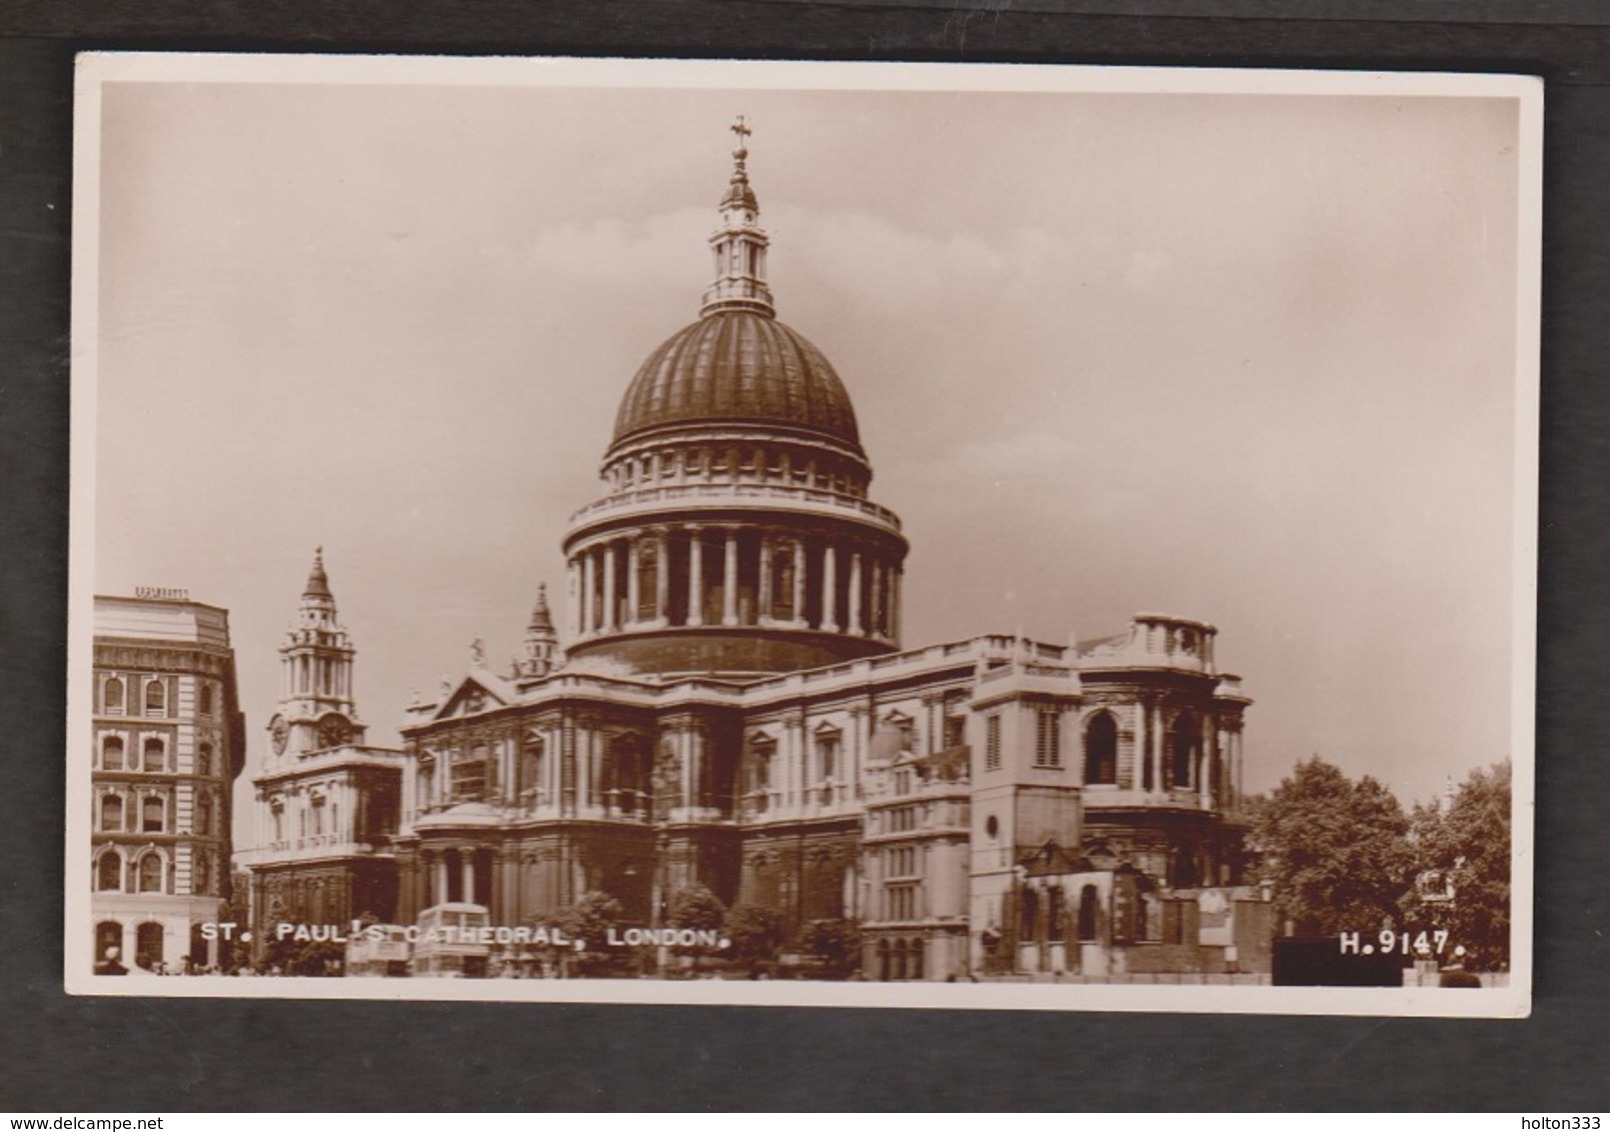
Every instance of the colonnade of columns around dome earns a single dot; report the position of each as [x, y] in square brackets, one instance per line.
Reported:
[732, 574]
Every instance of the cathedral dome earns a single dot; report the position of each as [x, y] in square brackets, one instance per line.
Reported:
[737, 366]
[734, 537]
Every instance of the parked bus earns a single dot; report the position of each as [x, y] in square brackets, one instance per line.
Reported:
[440, 946]
[379, 951]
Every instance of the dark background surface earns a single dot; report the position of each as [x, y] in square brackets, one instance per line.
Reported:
[77, 1055]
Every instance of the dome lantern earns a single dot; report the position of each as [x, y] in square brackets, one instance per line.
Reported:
[739, 244]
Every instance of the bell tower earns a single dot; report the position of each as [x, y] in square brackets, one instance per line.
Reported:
[317, 711]
[327, 804]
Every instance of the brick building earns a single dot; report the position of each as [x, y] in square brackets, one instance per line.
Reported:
[168, 742]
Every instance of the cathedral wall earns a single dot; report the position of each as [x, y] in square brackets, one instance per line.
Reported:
[706, 651]
[802, 872]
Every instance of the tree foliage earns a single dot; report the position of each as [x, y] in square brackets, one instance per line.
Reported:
[1462, 858]
[695, 906]
[319, 958]
[837, 943]
[588, 920]
[756, 933]
[1337, 851]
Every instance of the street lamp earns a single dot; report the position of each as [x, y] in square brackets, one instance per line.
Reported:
[662, 842]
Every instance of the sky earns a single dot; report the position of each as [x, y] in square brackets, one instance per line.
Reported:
[1249, 358]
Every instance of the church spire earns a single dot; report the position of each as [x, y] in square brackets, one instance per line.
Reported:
[541, 641]
[541, 615]
[316, 709]
[740, 243]
[318, 583]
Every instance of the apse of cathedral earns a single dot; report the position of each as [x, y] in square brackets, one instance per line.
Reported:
[729, 704]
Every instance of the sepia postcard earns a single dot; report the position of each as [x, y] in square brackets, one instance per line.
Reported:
[886, 535]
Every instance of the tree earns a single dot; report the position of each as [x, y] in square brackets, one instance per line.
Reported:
[319, 958]
[756, 933]
[837, 943]
[1462, 859]
[695, 906]
[1337, 851]
[588, 921]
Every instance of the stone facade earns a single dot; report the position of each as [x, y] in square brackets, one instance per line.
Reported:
[732, 708]
[327, 804]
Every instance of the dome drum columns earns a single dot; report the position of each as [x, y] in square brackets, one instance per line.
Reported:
[732, 575]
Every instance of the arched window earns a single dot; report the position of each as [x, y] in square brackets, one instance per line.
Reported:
[148, 946]
[1101, 749]
[1184, 744]
[204, 699]
[1028, 916]
[201, 874]
[899, 964]
[151, 811]
[109, 872]
[112, 753]
[151, 870]
[112, 696]
[108, 939]
[914, 969]
[204, 760]
[1056, 915]
[883, 960]
[155, 755]
[1089, 904]
[203, 813]
[156, 697]
[111, 813]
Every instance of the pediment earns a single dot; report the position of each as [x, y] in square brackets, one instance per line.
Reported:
[475, 693]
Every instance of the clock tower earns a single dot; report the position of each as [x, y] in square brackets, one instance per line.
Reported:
[326, 802]
[317, 711]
